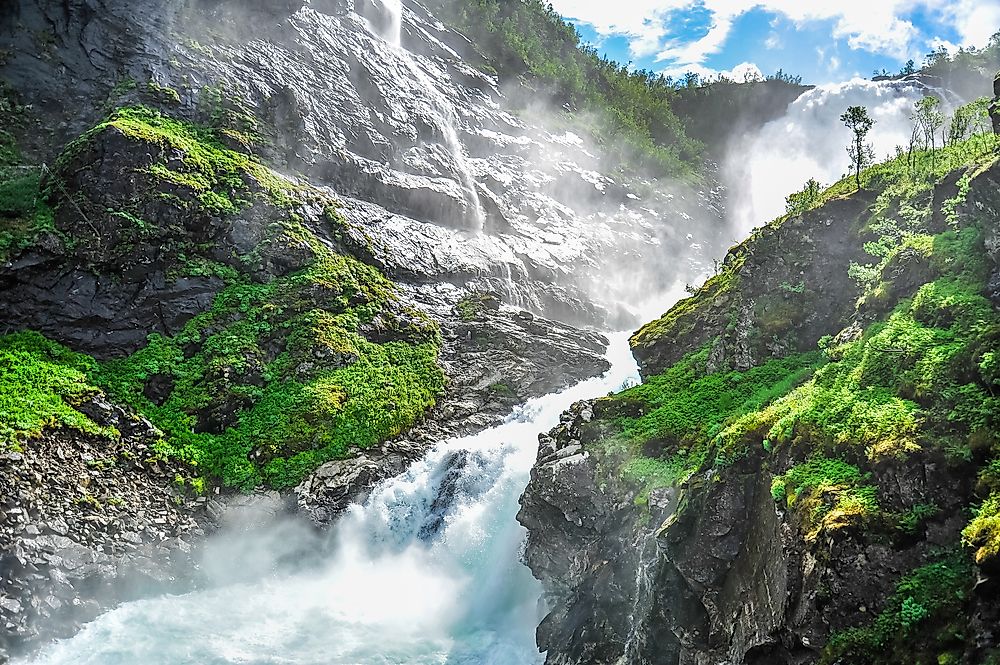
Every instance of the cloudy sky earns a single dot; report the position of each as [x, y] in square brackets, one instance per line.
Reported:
[821, 40]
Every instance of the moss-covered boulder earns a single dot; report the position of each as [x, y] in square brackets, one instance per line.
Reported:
[219, 299]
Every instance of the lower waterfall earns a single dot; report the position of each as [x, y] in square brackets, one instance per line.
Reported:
[426, 571]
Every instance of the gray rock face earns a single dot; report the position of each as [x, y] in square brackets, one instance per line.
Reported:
[418, 131]
[496, 360]
[711, 572]
[85, 523]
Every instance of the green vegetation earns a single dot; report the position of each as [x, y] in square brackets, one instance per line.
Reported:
[471, 306]
[632, 108]
[40, 381]
[24, 212]
[857, 120]
[684, 410]
[930, 596]
[245, 410]
[805, 199]
[682, 317]
[919, 376]
[218, 179]
[10, 118]
[830, 493]
[278, 376]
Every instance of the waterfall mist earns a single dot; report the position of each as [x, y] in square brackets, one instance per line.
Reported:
[761, 169]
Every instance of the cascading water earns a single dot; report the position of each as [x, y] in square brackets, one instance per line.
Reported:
[426, 571]
[445, 112]
[809, 141]
[394, 29]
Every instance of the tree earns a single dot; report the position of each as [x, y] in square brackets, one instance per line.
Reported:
[804, 199]
[862, 154]
[909, 68]
[927, 114]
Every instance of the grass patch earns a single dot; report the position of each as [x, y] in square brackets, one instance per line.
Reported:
[40, 382]
[684, 410]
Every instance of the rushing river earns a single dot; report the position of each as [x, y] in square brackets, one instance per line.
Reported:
[426, 571]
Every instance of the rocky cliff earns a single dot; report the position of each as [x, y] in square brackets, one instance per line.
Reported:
[294, 251]
[808, 472]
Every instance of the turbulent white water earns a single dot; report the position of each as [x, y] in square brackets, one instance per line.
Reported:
[409, 580]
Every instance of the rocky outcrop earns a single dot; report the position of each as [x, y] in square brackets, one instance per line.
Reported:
[776, 293]
[711, 571]
[646, 560]
[495, 359]
[86, 522]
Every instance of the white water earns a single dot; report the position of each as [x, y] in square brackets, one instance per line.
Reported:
[444, 111]
[393, 590]
[394, 30]
[809, 141]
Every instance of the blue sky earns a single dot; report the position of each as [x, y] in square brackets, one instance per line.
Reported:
[821, 40]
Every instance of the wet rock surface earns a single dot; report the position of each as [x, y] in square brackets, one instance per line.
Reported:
[711, 571]
[495, 360]
[404, 130]
[85, 523]
[407, 140]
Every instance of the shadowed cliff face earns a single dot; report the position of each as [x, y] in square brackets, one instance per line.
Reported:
[750, 502]
[419, 134]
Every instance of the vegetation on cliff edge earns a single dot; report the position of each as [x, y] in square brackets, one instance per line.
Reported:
[918, 378]
[284, 371]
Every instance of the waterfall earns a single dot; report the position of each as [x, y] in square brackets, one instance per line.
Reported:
[394, 29]
[809, 141]
[426, 571]
[444, 110]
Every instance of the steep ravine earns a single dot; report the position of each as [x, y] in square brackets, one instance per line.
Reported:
[832, 506]
[242, 285]
[289, 288]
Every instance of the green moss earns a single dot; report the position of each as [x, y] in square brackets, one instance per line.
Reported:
[683, 317]
[983, 532]
[928, 597]
[163, 94]
[281, 376]
[830, 494]
[472, 305]
[501, 389]
[40, 381]
[219, 178]
[277, 377]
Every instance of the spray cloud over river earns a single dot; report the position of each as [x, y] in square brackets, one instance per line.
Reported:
[426, 571]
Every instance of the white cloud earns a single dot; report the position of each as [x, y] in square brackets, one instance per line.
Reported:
[974, 20]
[642, 21]
[878, 26]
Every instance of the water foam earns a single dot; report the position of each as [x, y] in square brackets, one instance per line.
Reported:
[394, 589]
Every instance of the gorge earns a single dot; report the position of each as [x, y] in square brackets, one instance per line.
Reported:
[330, 340]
